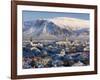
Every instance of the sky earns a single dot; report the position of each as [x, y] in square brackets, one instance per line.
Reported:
[33, 15]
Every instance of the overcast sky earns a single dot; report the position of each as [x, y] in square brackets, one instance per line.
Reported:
[33, 15]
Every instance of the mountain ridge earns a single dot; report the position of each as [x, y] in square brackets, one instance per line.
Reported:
[59, 27]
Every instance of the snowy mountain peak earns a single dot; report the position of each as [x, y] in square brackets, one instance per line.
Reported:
[73, 23]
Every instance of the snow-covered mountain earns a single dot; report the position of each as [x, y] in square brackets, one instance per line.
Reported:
[72, 23]
[54, 28]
